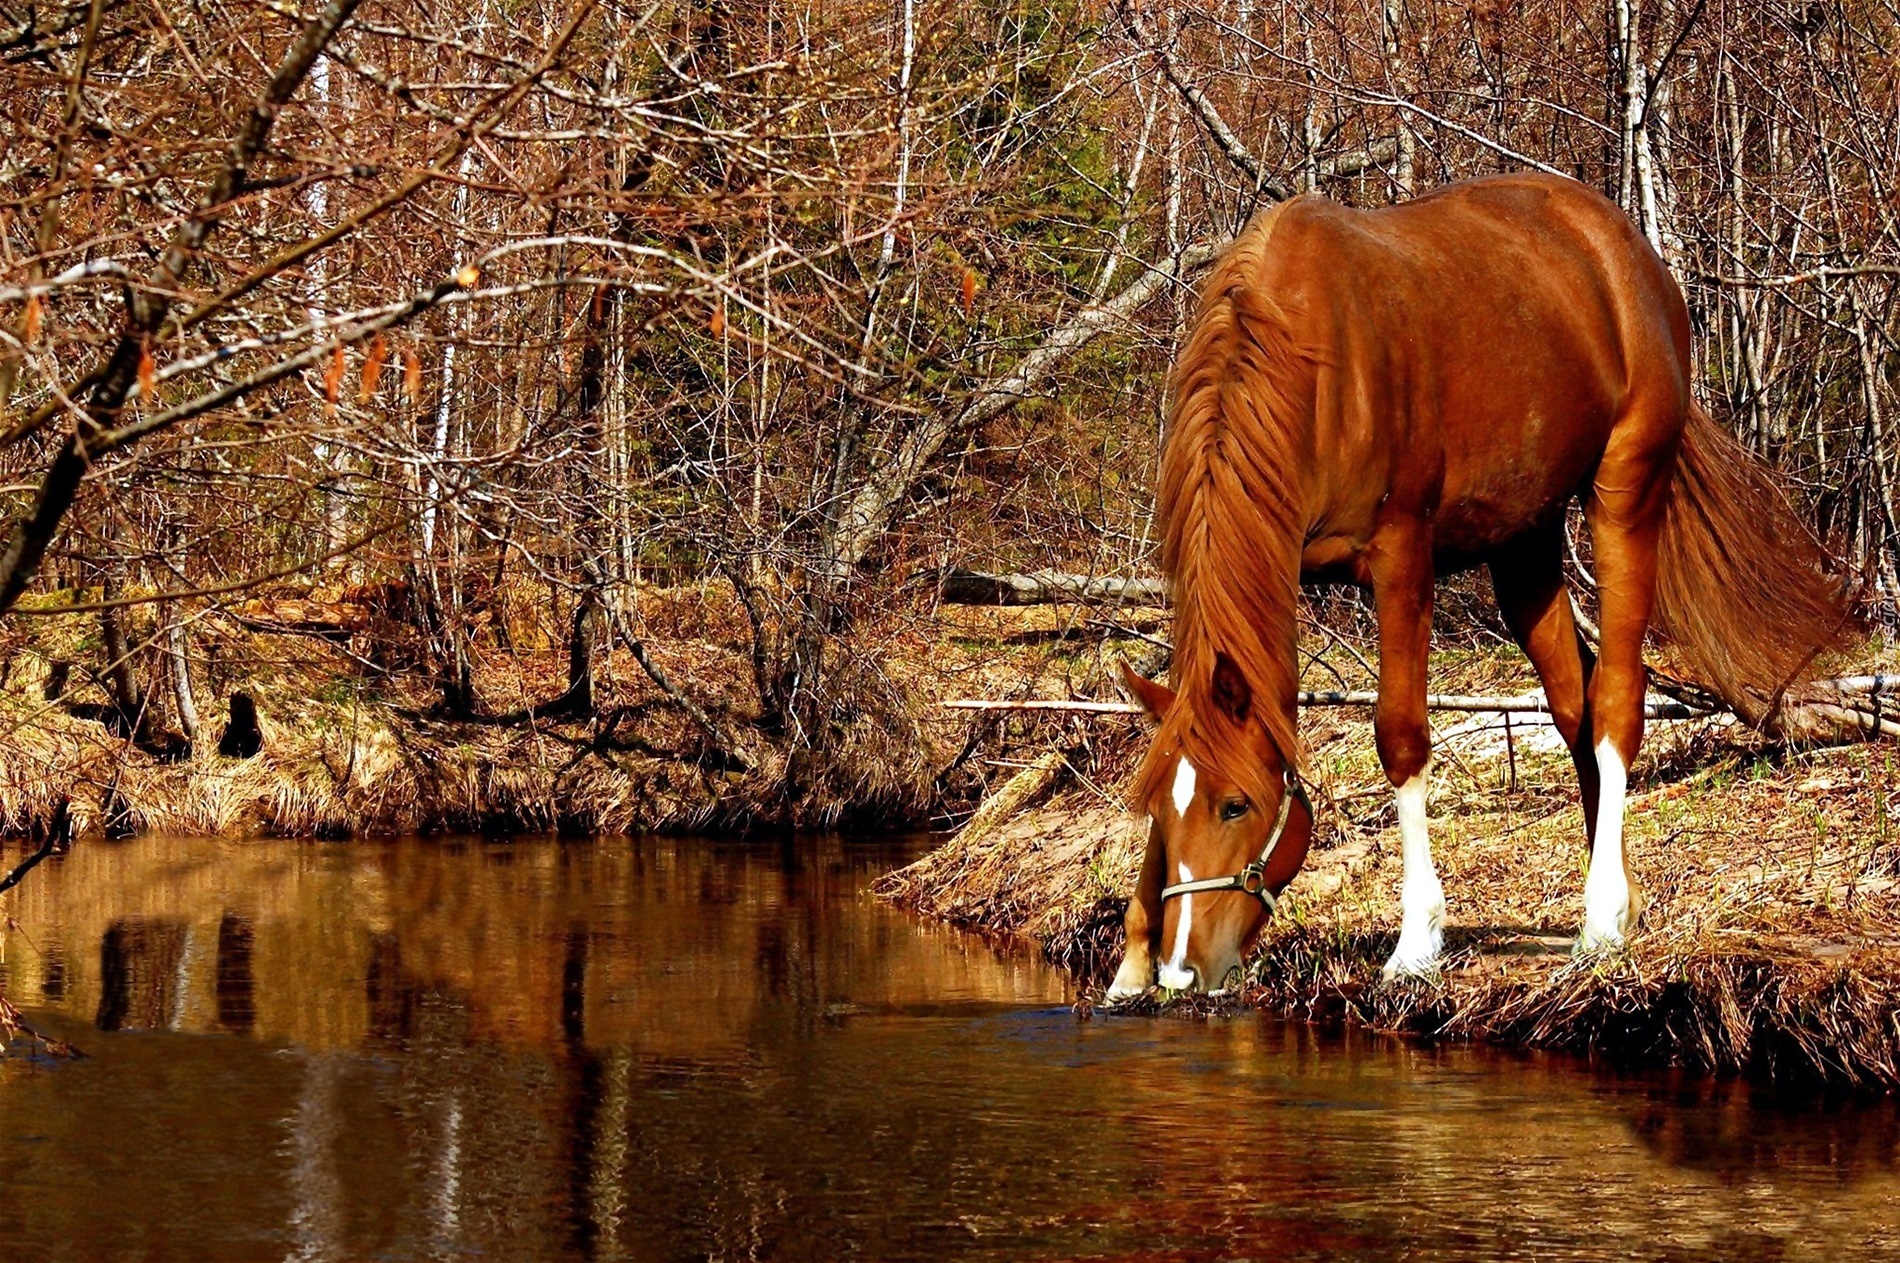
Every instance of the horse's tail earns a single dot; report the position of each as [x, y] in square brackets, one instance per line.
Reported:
[1742, 586]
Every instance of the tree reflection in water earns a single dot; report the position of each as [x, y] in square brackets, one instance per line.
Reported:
[236, 985]
[703, 1049]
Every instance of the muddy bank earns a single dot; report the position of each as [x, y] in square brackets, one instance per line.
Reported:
[1771, 945]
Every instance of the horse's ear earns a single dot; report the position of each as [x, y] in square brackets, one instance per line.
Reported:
[1232, 694]
[1154, 698]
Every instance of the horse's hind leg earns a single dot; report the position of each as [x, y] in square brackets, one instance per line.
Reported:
[1528, 578]
[1626, 510]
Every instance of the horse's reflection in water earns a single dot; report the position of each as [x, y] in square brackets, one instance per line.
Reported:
[1382, 396]
[1737, 1130]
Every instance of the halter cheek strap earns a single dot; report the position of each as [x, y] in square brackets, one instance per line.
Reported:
[1252, 879]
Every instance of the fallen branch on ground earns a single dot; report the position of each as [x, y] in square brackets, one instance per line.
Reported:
[1018, 790]
[1815, 715]
[1529, 703]
[1047, 587]
[1877, 685]
[1851, 718]
[722, 742]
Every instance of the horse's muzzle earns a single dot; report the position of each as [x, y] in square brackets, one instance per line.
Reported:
[1188, 979]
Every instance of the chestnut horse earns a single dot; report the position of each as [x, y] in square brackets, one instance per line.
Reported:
[1382, 396]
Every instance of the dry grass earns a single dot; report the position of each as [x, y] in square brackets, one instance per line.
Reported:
[351, 751]
[393, 774]
[1771, 944]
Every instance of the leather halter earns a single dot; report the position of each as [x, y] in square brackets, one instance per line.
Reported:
[1252, 879]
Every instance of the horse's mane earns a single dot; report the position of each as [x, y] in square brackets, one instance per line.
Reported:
[1239, 430]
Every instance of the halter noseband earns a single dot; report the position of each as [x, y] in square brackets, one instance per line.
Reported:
[1252, 879]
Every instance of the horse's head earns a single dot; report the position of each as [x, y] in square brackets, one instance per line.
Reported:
[1233, 827]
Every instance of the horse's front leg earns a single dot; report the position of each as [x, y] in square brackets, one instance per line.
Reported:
[1400, 564]
[1141, 927]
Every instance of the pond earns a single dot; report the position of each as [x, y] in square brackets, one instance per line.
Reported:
[712, 1049]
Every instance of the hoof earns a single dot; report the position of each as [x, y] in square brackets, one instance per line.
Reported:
[1132, 981]
[1606, 930]
[1419, 960]
[1421, 933]
[1612, 907]
[1598, 941]
[1397, 970]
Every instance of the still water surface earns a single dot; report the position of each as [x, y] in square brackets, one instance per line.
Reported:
[666, 1049]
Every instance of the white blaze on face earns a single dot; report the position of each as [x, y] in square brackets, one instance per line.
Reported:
[1183, 790]
[1173, 973]
[1606, 894]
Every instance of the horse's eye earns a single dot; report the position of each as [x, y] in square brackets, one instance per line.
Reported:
[1233, 809]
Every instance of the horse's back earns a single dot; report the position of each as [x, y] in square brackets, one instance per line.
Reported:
[1478, 345]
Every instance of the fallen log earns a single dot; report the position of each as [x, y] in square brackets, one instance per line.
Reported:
[1086, 708]
[327, 620]
[1878, 685]
[1047, 587]
[1805, 720]
[1016, 792]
